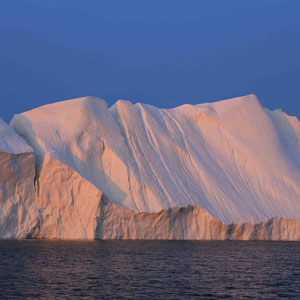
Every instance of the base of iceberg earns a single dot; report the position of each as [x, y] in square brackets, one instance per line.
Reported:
[179, 223]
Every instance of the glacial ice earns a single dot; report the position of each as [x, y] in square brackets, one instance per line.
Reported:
[18, 212]
[187, 223]
[224, 170]
[232, 158]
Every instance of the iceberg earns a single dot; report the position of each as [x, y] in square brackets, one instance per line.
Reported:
[223, 170]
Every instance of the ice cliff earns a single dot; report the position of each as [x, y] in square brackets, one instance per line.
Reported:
[187, 223]
[224, 170]
[18, 212]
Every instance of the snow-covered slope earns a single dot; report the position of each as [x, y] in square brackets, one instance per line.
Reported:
[11, 142]
[234, 159]
[82, 135]
[18, 212]
[289, 133]
[227, 157]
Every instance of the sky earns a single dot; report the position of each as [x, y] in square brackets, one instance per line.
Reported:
[164, 53]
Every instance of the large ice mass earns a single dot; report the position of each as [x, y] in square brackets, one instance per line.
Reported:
[80, 170]
[18, 212]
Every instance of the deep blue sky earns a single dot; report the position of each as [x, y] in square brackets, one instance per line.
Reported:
[164, 53]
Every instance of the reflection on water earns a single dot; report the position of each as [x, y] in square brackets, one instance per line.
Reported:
[149, 269]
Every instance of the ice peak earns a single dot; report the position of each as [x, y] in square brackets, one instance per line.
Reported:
[10, 141]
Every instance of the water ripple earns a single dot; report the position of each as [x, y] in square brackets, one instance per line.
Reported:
[149, 270]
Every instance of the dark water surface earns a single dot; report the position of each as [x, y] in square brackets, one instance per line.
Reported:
[149, 269]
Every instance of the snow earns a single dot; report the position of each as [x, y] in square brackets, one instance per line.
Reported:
[226, 157]
[10, 141]
[234, 159]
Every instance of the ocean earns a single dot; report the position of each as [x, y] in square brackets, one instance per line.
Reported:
[149, 270]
